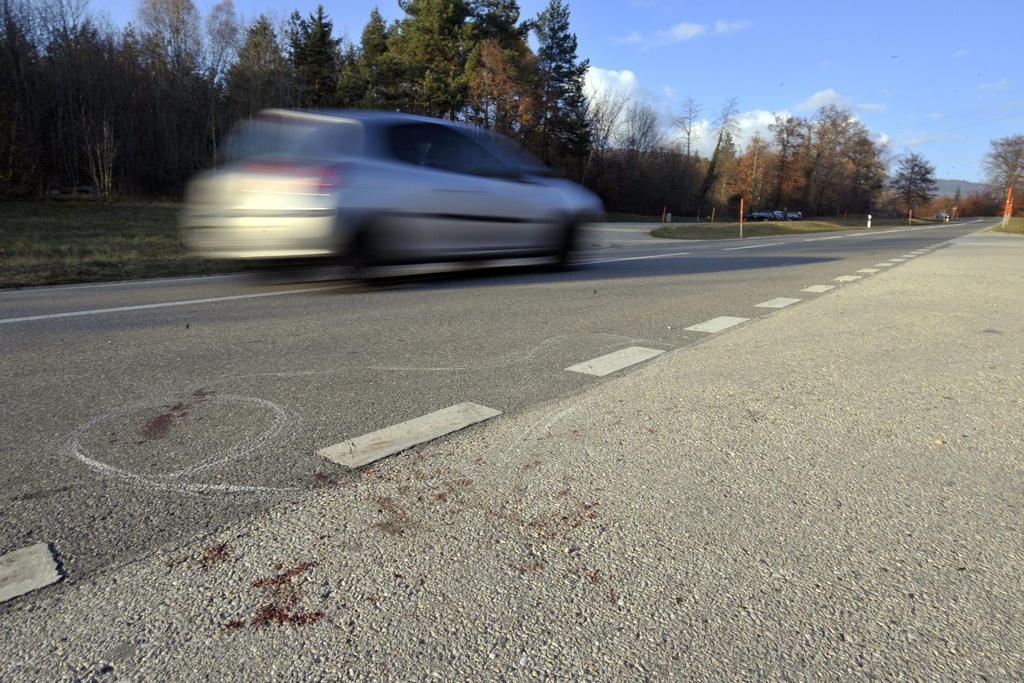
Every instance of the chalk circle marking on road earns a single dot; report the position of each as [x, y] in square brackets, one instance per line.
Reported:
[133, 438]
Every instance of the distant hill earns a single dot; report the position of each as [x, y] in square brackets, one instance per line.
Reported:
[948, 187]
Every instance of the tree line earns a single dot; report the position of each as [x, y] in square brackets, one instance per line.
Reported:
[137, 110]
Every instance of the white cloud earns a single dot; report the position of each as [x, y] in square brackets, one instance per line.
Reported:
[995, 87]
[606, 80]
[756, 121]
[682, 32]
[723, 27]
[823, 98]
[926, 139]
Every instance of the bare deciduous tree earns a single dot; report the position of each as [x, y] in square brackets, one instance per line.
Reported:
[688, 123]
[174, 25]
[1004, 165]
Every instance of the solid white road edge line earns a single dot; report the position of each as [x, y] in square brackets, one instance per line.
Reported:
[755, 246]
[607, 364]
[717, 324]
[635, 258]
[141, 307]
[371, 447]
[26, 570]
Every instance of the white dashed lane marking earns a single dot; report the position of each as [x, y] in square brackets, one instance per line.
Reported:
[26, 570]
[818, 289]
[868, 270]
[884, 265]
[847, 278]
[781, 302]
[717, 324]
[606, 365]
[371, 447]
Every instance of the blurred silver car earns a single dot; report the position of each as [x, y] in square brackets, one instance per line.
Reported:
[379, 188]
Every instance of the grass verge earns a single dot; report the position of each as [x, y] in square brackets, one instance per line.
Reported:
[716, 231]
[56, 242]
[1014, 226]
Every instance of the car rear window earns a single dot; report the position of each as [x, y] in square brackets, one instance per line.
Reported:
[293, 136]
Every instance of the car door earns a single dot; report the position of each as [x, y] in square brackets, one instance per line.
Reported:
[463, 201]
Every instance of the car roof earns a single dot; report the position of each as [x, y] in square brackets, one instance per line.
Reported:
[375, 120]
[362, 115]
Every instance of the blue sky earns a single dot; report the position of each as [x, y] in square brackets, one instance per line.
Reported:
[941, 78]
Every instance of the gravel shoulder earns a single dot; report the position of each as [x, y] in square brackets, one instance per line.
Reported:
[832, 492]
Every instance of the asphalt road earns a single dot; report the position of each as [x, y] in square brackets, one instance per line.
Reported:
[136, 415]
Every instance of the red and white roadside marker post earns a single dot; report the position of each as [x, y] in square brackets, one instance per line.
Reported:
[741, 217]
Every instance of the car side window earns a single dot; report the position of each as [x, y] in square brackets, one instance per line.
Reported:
[445, 149]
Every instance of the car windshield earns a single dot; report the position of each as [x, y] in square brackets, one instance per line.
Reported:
[508, 151]
[270, 135]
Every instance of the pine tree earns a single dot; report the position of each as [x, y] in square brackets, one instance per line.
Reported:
[564, 135]
[315, 58]
[914, 181]
[260, 76]
[374, 80]
[432, 45]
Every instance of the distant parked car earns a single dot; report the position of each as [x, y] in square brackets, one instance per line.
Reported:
[379, 188]
[760, 216]
[794, 216]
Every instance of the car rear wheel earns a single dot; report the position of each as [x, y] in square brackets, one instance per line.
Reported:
[362, 256]
[566, 246]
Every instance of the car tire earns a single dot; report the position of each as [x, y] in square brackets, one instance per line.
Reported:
[361, 255]
[566, 246]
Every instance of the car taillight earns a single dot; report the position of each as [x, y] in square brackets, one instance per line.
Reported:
[285, 178]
